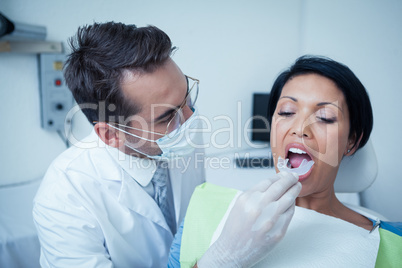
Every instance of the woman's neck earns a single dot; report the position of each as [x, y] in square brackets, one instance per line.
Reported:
[327, 203]
[323, 202]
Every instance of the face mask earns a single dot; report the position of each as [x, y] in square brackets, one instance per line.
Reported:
[180, 142]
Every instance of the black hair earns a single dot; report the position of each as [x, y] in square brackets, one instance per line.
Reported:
[101, 55]
[357, 99]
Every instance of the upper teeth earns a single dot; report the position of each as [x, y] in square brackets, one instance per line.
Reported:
[297, 151]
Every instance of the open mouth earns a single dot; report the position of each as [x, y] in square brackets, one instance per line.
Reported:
[297, 160]
[296, 157]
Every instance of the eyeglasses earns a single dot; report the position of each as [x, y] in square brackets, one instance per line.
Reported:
[177, 118]
[189, 100]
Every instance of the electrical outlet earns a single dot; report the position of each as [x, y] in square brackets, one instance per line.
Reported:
[56, 98]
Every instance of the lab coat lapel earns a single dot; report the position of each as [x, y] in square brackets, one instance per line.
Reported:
[135, 198]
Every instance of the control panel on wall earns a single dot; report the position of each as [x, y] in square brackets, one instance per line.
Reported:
[56, 98]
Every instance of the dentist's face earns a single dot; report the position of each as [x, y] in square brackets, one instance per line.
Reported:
[159, 94]
[311, 121]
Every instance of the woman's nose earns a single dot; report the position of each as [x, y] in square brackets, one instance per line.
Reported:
[301, 128]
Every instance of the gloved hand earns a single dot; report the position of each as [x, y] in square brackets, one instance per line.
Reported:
[257, 222]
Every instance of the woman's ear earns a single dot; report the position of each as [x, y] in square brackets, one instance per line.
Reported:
[109, 135]
[353, 144]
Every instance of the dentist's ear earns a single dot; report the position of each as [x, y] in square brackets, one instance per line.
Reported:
[109, 135]
[353, 144]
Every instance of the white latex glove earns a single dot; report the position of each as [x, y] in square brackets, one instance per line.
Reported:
[258, 221]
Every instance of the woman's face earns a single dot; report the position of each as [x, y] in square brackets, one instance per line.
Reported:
[311, 121]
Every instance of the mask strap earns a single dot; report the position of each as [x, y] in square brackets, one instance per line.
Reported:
[160, 134]
[130, 133]
[155, 157]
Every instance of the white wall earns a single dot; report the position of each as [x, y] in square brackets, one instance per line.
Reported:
[234, 48]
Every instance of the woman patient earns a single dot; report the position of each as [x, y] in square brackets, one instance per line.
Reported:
[319, 111]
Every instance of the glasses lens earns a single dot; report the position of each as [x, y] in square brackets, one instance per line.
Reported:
[192, 92]
[175, 123]
[191, 98]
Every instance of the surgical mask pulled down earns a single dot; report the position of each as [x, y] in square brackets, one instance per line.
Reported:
[178, 143]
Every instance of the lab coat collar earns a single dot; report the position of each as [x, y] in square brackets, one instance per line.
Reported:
[147, 206]
[140, 169]
[135, 173]
[138, 173]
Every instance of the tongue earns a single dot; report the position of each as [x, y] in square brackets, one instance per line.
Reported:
[296, 159]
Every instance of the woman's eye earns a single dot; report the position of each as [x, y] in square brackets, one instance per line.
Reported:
[285, 114]
[326, 116]
[326, 120]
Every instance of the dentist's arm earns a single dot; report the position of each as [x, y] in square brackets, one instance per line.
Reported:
[258, 221]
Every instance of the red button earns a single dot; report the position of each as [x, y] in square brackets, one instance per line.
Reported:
[57, 82]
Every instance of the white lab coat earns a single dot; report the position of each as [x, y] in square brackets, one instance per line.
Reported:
[89, 212]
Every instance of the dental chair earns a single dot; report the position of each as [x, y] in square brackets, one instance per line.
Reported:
[356, 174]
[19, 243]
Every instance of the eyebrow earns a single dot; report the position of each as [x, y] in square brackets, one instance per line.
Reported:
[329, 103]
[318, 104]
[293, 99]
[172, 110]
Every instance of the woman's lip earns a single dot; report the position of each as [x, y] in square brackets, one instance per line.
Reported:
[305, 176]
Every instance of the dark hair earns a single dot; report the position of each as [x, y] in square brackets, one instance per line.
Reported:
[357, 99]
[101, 54]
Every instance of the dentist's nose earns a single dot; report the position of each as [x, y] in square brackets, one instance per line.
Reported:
[187, 113]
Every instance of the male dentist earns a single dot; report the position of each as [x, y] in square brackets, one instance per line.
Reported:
[119, 204]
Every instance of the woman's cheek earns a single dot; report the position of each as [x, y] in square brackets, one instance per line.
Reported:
[329, 149]
[278, 132]
[273, 133]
